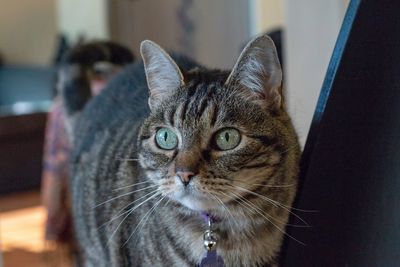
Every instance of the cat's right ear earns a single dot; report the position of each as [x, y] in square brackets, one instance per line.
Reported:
[259, 72]
[162, 73]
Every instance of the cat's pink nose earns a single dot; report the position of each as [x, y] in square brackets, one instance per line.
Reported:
[185, 176]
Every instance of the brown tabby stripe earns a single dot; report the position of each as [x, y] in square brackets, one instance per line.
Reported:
[192, 110]
[173, 157]
[214, 115]
[265, 140]
[259, 188]
[177, 248]
[254, 166]
[149, 168]
[239, 165]
[171, 116]
[206, 154]
[202, 107]
[205, 100]
[183, 111]
[196, 102]
[144, 137]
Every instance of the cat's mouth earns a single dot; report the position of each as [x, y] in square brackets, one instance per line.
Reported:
[194, 199]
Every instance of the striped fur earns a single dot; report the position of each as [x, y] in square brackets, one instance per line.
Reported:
[249, 189]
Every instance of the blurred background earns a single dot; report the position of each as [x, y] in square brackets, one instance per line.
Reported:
[34, 35]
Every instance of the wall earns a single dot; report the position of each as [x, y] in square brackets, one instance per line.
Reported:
[88, 18]
[311, 27]
[133, 21]
[211, 31]
[222, 30]
[266, 15]
[310, 31]
[28, 31]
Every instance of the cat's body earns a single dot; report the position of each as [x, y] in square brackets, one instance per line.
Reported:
[116, 141]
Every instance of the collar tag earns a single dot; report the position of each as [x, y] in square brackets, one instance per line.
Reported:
[212, 259]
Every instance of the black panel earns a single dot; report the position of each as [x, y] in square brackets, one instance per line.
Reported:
[351, 163]
[21, 151]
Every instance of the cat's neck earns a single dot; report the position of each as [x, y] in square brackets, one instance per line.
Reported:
[245, 236]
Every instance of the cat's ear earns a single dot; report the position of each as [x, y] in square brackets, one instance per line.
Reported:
[259, 72]
[162, 73]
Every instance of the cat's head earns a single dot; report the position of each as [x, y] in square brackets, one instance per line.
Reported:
[212, 135]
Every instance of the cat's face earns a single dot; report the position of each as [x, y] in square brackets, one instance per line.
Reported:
[209, 138]
[202, 145]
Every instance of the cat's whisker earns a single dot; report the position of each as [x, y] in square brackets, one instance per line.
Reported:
[145, 218]
[269, 186]
[166, 203]
[236, 200]
[156, 192]
[123, 195]
[255, 208]
[275, 186]
[132, 185]
[127, 159]
[274, 202]
[225, 207]
[252, 206]
[130, 211]
[265, 217]
[288, 149]
[288, 208]
[240, 203]
[273, 218]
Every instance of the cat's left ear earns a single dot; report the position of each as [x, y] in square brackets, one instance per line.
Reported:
[259, 72]
[162, 73]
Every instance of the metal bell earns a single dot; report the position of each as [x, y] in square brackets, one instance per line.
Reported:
[210, 240]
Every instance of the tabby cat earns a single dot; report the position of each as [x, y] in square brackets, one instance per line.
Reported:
[168, 141]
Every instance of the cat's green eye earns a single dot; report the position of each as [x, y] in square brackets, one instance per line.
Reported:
[166, 139]
[227, 138]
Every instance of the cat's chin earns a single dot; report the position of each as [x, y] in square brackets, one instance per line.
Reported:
[196, 202]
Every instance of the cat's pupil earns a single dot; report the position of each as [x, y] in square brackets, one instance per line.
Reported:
[227, 137]
[165, 136]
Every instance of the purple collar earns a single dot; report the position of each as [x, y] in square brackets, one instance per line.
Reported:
[208, 218]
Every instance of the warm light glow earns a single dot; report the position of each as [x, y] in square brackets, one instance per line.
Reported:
[22, 242]
[23, 229]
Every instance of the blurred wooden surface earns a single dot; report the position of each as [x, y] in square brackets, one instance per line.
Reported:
[22, 220]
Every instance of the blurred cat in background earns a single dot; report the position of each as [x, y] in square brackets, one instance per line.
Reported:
[99, 62]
